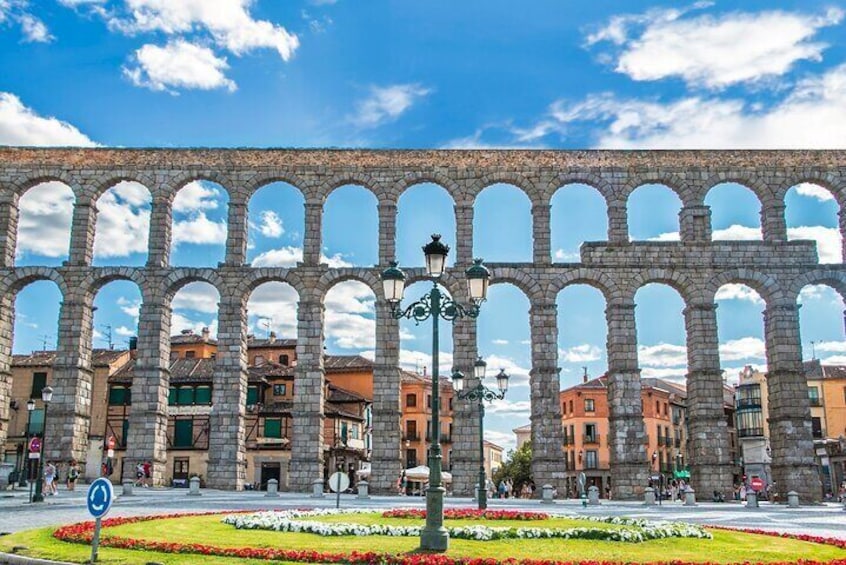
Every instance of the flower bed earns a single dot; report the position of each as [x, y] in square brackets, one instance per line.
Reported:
[83, 533]
[468, 514]
[292, 521]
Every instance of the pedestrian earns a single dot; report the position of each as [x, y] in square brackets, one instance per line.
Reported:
[148, 473]
[403, 484]
[743, 492]
[50, 478]
[139, 474]
[73, 475]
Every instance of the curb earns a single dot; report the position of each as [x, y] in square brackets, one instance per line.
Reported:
[14, 559]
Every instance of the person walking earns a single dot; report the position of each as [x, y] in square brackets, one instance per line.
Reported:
[148, 473]
[139, 474]
[50, 479]
[73, 475]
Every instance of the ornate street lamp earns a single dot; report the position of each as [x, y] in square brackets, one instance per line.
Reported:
[435, 305]
[22, 478]
[481, 393]
[46, 397]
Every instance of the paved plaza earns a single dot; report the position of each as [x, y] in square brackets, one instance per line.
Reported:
[16, 513]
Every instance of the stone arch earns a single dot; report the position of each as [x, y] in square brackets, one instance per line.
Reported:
[744, 178]
[602, 282]
[682, 189]
[746, 190]
[109, 181]
[325, 189]
[514, 179]
[440, 214]
[261, 180]
[681, 283]
[77, 196]
[624, 197]
[179, 278]
[434, 177]
[22, 277]
[768, 287]
[95, 281]
[101, 192]
[257, 277]
[182, 179]
[825, 179]
[563, 180]
[832, 278]
[521, 279]
[333, 277]
[23, 186]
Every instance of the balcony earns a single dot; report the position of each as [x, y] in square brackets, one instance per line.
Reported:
[411, 437]
[668, 442]
[677, 443]
[815, 401]
[593, 439]
[750, 432]
[748, 403]
[569, 441]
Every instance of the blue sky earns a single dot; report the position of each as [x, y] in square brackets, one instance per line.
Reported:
[438, 74]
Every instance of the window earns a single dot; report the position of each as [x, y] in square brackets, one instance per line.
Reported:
[180, 468]
[280, 389]
[411, 430]
[657, 408]
[39, 381]
[410, 400]
[665, 409]
[450, 403]
[428, 401]
[36, 421]
[190, 354]
[354, 431]
[411, 458]
[185, 396]
[564, 408]
[252, 395]
[814, 396]
[119, 396]
[590, 434]
[571, 407]
[283, 360]
[202, 395]
[816, 428]
[591, 461]
[589, 407]
[273, 427]
[183, 433]
[259, 360]
[750, 423]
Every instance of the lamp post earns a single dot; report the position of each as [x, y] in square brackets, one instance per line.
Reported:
[435, 305]
[22, 478]
[46, 396]
[481, 393]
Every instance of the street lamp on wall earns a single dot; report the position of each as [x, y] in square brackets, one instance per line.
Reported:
[654, 459]
[22, 477]
[435, 305]
[481, 393]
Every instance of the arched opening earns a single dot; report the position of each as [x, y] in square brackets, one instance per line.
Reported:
[578, 214]
[662, 358]
[502, 224]
[735, 212]
[351, 209]
[276, 224]
[811, 212]
[36, 318]
[123, 225]
[653, 213]
[504, 342]
[117, 308]
[193, 321]
[272, 358]
[740, 330]
[200, 211]
[422, 210]
[44, 225]
[350, 339]
[582, 337]
[824, 354]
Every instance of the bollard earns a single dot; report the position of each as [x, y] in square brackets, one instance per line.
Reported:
[793, 499]
[476, 491]
[649, 497]
[363, 490]
[751, 499]
[689, 496]
[127, 487]
[317, 488]
[593, 496]
[547, 495]
[272, 488]
[194, 487]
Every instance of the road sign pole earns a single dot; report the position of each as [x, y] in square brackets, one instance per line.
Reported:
[95, 542]
[338, 489]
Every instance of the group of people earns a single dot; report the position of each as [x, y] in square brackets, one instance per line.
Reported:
[506, 489]
[143, 474]
[51, 477]
[671, 490]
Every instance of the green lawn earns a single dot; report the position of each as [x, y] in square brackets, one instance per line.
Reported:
[726, 547]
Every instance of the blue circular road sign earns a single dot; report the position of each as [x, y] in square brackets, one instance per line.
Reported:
[101, 494]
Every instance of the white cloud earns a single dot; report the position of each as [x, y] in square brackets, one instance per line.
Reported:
[834, 360]
[710, 51]
[34, 29]
[179, 322]
[387, 103]
[123, 331]
[179, 64]
[20, 125]
[197, 297]
[580, 353]
[672, 374]
[508, 407]
[820, 292]
[290, 256]
[270, 224]
[662, 355]
[200, 230]
[737, 233]
[349, 316]
[830, 346]
[736, 291]
[123, 221]
[196, 195]
[78, 3]
[506, 440]
[743, 348]
[812, 190]
[46, 213]
[276, 303]
[228, 22]
[567, 256]
[828, 241]
[499, 341]
[669, 236]
[415, 361]
[131, 308]
[519, 375]
[800, 120]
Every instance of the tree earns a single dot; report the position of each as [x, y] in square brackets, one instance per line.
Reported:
[518, 467]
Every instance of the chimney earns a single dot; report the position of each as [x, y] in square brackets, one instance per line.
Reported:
[585, 376]
[206, 333]
[187, 332]
[272, 337]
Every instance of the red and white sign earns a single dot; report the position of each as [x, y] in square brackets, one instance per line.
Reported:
[757, 484]
[35, 445]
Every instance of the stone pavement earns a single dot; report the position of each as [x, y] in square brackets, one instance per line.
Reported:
[16, 513]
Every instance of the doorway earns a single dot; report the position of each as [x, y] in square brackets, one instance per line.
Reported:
[269, 471]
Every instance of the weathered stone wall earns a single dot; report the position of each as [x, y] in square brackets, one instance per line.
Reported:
[694, 266]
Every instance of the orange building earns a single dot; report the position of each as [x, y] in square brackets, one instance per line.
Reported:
[416, 399]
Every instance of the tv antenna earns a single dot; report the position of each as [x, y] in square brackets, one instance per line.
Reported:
[108, 328]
